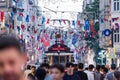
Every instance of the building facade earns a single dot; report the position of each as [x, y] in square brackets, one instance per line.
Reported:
[115, 13]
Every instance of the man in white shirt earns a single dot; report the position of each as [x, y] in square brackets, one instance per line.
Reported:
[90, 72]
[28, 71]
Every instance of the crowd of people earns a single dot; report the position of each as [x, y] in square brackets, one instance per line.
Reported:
[13, 62]
[73, 72]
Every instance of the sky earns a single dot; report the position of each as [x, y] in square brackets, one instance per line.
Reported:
[72, 7]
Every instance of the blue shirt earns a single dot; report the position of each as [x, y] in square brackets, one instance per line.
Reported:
[48, 77]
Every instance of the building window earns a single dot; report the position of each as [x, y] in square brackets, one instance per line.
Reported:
[117, 36]
[116, 5]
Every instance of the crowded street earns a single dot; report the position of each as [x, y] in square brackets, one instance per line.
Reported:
[59, 39]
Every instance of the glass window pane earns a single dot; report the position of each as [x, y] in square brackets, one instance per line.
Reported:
[118, 6]
[118, 38]
[115, 37]
[114, 6]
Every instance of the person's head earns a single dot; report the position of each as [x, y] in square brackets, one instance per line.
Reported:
[117, 75]
[33, 69]
[28, 67]
[45, 66]
[91, 67]
[81, 66]
[75, 65]
[40, 74]
[105, 70]
[98, 68]
[57, 71]
[102, 68]
[107, 66]
[12, 57]
[70, 67]
[113, 66]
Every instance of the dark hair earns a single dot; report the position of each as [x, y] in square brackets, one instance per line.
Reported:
[33, 67]
[80, 65]
[40, 74]
[113, 66]
[91, 66]
[98, 67]
[117, 75]
[86, 68]
[102, 66]
[75, 65]
[8, 40]
[46, 65]
[105, 70]
[69, 64]
[28, 67]
[60, 67]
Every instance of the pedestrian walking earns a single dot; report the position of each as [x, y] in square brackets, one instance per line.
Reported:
[110, 75]
[46, 66]
[27, 71]
[12, 58]
[31, 76]
[97, 72]
[117, 75]
[90, 72]
[57, 72]
[40, 74]
[69, 75]
[81, 73]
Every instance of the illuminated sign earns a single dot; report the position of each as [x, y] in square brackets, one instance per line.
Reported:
[58, 48]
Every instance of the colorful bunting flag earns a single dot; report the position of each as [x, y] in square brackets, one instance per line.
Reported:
[18, 28]
[87, 25]
[43, 20]
[105, 19]
[27, 18]
[2, 16]
[60, 22]
[91, 26]
[78, 22]
[22, 26]
[33, 18]
[102, 21]
[73, 23]
[48, 21]
[64, 21]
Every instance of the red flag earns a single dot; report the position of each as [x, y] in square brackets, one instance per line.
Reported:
[64, 21]
[46, 43]
[71, 32]
[42, 39]
[115, 19]
[2, 16]
[10, 26]
[48, 21]
[78, 23]
[105, 19]
[21, 14]
[33, 18]
[22, 26]
[35, 31]
[91, 26]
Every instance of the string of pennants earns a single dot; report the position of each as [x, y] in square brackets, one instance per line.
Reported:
[64, 21]
[106, 20]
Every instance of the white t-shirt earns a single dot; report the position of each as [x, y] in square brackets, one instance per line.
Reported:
[90, 74]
